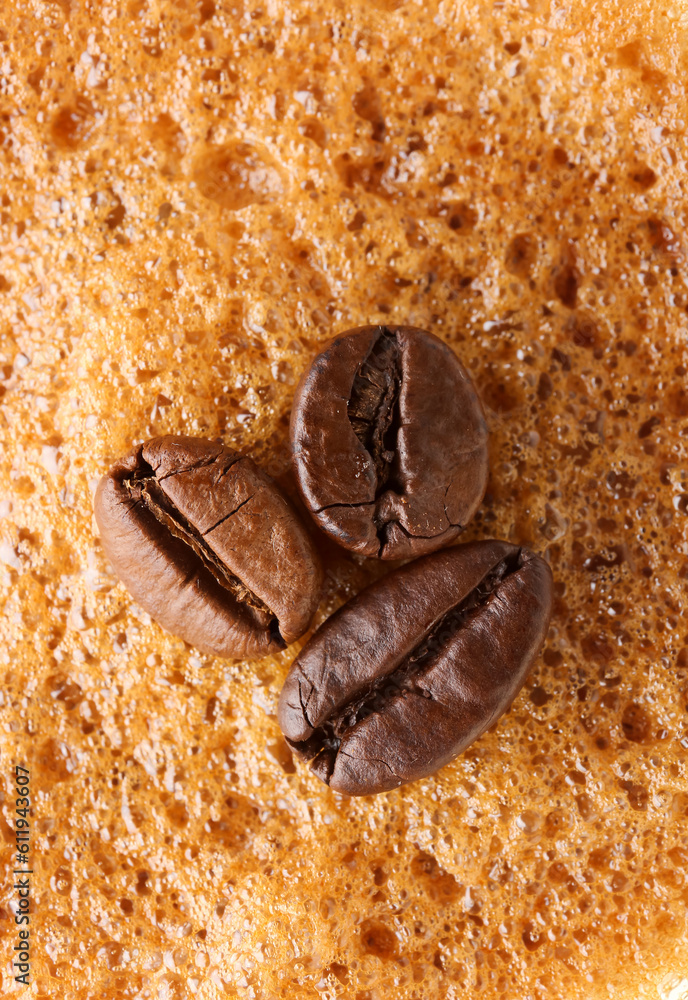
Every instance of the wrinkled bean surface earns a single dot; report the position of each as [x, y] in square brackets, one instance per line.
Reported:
[389, 442]
[207, 543]
[407, 674]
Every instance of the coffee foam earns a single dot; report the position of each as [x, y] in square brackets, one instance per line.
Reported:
[196, 197]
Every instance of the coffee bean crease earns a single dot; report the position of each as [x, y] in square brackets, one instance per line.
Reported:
[373, 406]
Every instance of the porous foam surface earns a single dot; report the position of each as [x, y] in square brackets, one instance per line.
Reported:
[196, 195]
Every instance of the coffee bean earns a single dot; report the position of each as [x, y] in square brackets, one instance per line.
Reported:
[389, 442]
[407, 674]
[207, 543]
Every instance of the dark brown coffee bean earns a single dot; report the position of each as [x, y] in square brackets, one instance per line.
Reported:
[209, 546]
[405, 675]
[389, 442]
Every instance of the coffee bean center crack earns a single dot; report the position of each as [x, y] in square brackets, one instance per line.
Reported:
[375, 415]
[373, 407]
[373, 410]
[145, 488]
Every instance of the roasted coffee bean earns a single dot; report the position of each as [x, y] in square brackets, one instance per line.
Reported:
[389, 442]
[405, 675]
[207, 543]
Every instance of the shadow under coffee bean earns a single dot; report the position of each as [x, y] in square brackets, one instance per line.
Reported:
[389, 442]
[207, 543]
[408, 673]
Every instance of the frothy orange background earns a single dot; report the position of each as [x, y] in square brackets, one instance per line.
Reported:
[194, 197]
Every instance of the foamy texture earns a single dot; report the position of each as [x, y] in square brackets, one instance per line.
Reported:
[195, 197]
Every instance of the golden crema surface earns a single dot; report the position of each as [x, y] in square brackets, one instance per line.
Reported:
[195, 195]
